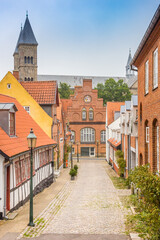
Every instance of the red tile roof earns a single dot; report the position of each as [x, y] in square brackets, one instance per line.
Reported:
[14, 145]
[44, 92]
[114, 142]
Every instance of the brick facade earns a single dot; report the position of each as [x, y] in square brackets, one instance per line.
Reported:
[148, 103]
[86, 99]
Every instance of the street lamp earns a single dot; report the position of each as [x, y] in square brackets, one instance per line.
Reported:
[77, 152]
[31, 144]
[97, 147]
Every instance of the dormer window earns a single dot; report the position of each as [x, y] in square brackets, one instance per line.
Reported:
[12, 124]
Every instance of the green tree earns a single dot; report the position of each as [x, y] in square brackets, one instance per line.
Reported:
[113, 91]
[65, 90]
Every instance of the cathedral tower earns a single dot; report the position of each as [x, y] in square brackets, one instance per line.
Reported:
[129, 71]
[25, 55]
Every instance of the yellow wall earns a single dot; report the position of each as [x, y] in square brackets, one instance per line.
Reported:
[25, 99]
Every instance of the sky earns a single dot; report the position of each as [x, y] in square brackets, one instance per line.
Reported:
[76, 37]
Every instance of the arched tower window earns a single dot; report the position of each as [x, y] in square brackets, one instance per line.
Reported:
[25, 79]
[155, 146]
[91, 114]
[32, 60]
[28, 79]
[31, 79]
[28, 59]
[146, 141]
[87, 135]
[25, 59]
[84, 114]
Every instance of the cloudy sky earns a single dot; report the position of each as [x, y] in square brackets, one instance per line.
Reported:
[76, 37]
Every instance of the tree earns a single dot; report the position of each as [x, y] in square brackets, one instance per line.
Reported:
[65, 90]
[113, 91]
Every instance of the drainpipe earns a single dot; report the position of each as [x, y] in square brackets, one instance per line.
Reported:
[5, 189]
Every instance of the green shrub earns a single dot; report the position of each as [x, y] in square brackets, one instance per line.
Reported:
[147, 220]
[73, 172]
[121, 162]
[76, 167]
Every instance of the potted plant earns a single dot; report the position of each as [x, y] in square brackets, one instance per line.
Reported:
[73, 173]
[76, 168]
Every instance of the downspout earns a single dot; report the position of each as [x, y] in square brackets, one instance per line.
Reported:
[5, 189]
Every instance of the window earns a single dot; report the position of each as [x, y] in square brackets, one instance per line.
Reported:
[27, 108]
[28, 79]
[32, 60]
[146, 76]
[25, 59]
[147, 134]
[28, 59]
[155, 68]
[73, 150]
[103, 136]
[8, 85]
[87, 135]
[73, 136]
[32, 79]
[84, 114]
[25, 79]
[91, 114]
[12, 124]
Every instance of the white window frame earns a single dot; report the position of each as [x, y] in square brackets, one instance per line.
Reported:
[84, 114]
[87, 135]
[28, 111]
[103, 136]
[155, 68]
[73, 150]
[146, 76]
[147, 134]
[73, 134]
[91, 114]
[9, 85]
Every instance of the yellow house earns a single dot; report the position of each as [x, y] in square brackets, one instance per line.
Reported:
[11, 87]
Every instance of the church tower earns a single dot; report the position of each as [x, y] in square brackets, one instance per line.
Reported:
[25, 54]
[129, 71]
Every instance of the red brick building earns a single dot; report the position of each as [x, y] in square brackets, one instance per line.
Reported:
[147, 60]
[86, 116]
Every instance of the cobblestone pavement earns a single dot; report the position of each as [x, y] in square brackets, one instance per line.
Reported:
[88, 205]
[93, 207]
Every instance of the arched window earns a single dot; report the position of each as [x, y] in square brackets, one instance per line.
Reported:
[140, 159]
[31, 79]
[28, 79]
[87, 135]
[146, 141]
[28, 59]
[84, 114]
[73, 135]
[103, 136]
[25, 59]
[155, 146]
[25, 79]
[140, 112]
[91, 114]
[32, 60]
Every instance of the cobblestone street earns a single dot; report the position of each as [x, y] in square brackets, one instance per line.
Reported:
[88, 205]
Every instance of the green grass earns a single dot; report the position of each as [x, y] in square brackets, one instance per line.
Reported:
[119, 182]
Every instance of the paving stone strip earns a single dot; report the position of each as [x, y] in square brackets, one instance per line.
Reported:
[48, 213]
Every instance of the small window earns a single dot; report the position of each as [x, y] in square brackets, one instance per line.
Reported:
[25, 59]
[32, 79]
[73, 136]
[146, 77]
[147, 134]
[31, 60]
[28, 79]
[91, 114]
[9, 85]
[103, 136]
[73, 150]
[25, 79]
[155, 68]
[84, 114]
[27, 108]
[28, 59]
[12, 124]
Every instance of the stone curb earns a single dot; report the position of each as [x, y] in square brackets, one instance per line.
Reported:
[134, 236]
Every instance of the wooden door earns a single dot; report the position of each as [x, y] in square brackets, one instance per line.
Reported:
[8, 189]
